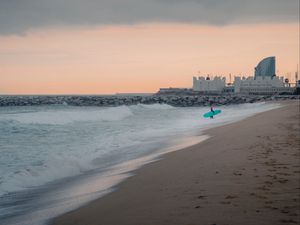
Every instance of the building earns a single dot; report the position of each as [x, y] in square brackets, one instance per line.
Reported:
[264, 81]
[263, 85]
[206, 85]
[265, 68]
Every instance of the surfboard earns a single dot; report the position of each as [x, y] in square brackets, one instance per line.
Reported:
[209, 114]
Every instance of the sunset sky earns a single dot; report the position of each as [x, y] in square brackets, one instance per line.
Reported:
[105, 47]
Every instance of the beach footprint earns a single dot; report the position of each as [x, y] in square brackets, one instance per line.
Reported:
[237, 173]
[231, 197]
[225, 202]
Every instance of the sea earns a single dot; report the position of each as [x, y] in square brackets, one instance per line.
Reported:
[56, 158]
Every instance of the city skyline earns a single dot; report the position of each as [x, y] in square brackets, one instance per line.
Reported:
[140, 46]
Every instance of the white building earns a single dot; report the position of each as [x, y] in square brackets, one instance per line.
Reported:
[261, 85]
[206, 85]
[264, 81]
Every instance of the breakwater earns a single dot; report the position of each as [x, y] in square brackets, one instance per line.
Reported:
[116, 100]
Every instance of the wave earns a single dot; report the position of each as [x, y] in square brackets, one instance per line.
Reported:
[69, 115]
[34, 154]
[36, 175]
[156, 106]
[65, 115]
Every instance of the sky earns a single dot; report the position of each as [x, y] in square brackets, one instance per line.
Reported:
[117, 46]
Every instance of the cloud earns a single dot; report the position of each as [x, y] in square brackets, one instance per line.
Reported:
[18, 16]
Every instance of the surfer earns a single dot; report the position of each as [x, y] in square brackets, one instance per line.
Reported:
[212, 110]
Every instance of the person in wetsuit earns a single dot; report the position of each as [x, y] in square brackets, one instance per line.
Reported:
[212, 110]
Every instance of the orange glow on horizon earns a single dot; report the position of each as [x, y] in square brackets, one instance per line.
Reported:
[139, 58]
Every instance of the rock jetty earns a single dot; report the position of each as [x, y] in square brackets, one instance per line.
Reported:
[116, 100]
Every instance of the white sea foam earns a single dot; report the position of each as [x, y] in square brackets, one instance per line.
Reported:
[45, 144]
[63, 116]
[156, 106]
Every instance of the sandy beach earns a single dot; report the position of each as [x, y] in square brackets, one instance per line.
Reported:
[248, 172]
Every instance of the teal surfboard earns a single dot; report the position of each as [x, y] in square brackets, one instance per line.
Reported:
[209, 114]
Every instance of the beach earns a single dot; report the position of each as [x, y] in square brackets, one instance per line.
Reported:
[247, 172]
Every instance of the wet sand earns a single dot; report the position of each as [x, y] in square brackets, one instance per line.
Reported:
[247, 173]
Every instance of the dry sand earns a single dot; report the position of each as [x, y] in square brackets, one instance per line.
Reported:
[247, 173]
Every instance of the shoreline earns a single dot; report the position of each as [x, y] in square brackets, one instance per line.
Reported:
[208, 186]
[70, 193]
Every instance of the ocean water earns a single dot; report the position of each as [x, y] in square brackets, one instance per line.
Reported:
[56, 158]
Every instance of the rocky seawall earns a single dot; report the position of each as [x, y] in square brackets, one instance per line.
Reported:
[115, 100]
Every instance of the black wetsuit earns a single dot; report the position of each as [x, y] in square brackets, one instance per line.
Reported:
[211, 109]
